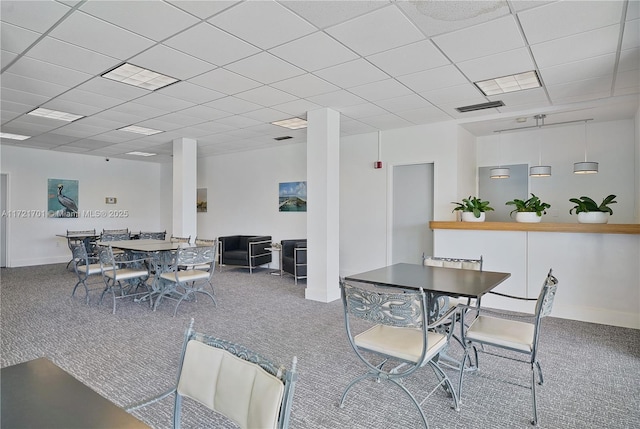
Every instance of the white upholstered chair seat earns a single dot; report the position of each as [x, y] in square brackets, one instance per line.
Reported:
[402, 343]
[90, 269]
[240, 390]
[185, 276]
[125, 273]
[508, 333]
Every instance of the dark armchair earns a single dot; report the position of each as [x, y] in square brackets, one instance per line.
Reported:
[245, 250]
[294, 258]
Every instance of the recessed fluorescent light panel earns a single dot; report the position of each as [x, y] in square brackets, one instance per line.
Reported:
[137, 76]
[13, 136]
[292, 124]
[141, 153]
[140, 130]
[54, 114]
[516, 82]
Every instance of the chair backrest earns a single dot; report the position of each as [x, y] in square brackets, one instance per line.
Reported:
[205, 242]
[460, 263]
[180, 239]
[115, 236]
[152, 235]
[106, 258]
[230, 379]
[80, 255]
[544, 304]
[115, 231]
[198, 255]
[83, 232]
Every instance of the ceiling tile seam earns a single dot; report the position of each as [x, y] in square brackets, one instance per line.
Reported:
[382, 5]
[623, 20]
[176, 4]
[44, 34]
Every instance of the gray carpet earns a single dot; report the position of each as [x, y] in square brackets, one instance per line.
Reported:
[592, 372]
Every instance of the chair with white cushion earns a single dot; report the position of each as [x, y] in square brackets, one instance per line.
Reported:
[192, 270]
[499, 332]
[122, 278]
[394, 338]
[233, 381]
[184, 240]
[84, 267]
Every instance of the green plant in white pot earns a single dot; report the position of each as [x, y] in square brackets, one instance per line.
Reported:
[530, 210]
[472, 209]
[589, 211]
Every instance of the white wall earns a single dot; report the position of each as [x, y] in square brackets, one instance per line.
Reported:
[611, 144]
[32, 240]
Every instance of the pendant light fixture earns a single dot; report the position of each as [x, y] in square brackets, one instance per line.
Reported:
[585, 167]
[499, 172]
[540, 170]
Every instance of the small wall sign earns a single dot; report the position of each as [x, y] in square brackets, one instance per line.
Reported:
[110, 200]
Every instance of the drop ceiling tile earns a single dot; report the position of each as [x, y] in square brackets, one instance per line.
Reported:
[96, 35]
[519, 98]
[190, 92]
[65, 54]
[452, 94]
[204, 113]
[179, 118]
[211, 44]
[120, 118]
[565, 18]
[577, 88]
[88, 144]
[80, 130]
[380, 90]
[265, 68]
[238, 121]
[533, 105]
[18, 108]
[326, 52]
[109, 88]
[71, 149]
[424, 115]
[98, 122]
[6, 58]
[406, 102]
[6, 116]
[225, 81]
[377, 31]
[203, 9]
[115, 136]
[71, 107]
[579, 47]
[211, 128]
[234, 105]
[47, 72]
[450, 109]
[58, 139]
[326, 13]
[386, 122]
[161, 101]
[266, 96]
[171, 62]
[139, 111]
[15, 39]
[353, 73]
[305, 85]
[33, 125]
[23, 14]
[631, 36]
[582, 97]
[337, 99]
[25, 98]
[265, 24]
[362, 111]
[34, 86]
[296, 108]
[351, 127]
[629, 60]
[411, 58]
[265, 115]
[627, 82]
[579, 70]
[498, 65]
[142, 17]
[441, 77]
[480, 40]
[438, 17]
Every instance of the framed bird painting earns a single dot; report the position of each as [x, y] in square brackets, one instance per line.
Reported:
[62, 198]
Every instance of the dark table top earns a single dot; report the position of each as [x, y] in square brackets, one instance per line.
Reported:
[143, 245]
[39, 395]
[445, 281]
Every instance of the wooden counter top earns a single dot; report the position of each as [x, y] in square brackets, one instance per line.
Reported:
[595, 228]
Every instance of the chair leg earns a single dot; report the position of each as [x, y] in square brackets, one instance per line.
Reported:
[86, 290]
[461, 376]
[533, 396]
[177, 408]
[540, 378]
[443, 378]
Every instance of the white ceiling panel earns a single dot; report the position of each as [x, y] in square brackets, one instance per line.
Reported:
[337, 99]
[579, 70]
[202, 9]
[35, 86]
[16, 39]
[94, 34]
[161, 101]
[6, 58]
[577, 88]
[631, 38]
[71, 107]
[204, 113]
[452, 94]
[171, 62]
[71, 56]
[489, 38]
[520, 98]
[265, 24]
[362, 111]
[498, 65]
[353, 73]
[327, 52]
[190, 92]
[424, 115]
[628, 82]
[47, 72]
[326, 13]
[106, 87]
[296, 107]
[565, 18]
[265, 115]
[225, 81]
[265, 68]
[380, 90]
[142, 17]
[579, 47]
[238, 121]
[211, 44]
[305, 85]
[233, 105]
[386, 122]
[629, 60]
[377, 31]
[266, 96]
[441, 77]
[406, 102]
[412, 58]
[36, 15]
[25, 98]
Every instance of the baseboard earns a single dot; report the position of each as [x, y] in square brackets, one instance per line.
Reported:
[598, 315]
[40, 261]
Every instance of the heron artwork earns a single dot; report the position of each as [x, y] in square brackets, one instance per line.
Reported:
[69, 205]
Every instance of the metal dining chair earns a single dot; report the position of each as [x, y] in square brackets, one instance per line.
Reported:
[84, 266]
[122, 278]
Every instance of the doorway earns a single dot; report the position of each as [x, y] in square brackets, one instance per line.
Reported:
[412, 209]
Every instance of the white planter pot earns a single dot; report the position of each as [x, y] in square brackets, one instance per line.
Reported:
[593, 217]
[469, 217]
[528, 217]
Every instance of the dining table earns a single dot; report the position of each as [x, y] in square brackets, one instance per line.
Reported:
[38, 394]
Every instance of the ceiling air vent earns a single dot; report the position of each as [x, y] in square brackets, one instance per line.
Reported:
[283, 138]
[481, 106]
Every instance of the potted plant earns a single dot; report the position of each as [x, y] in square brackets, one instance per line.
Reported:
[530, 210]
[590, 212]
[472, 209]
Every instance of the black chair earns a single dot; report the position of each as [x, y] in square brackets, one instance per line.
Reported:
[294, 258]
[245, 250]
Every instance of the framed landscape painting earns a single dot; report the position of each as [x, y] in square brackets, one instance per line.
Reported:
[62, 198]
[292, 197]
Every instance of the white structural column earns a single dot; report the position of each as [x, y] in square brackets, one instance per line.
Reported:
[323, 194]
[184, 187]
